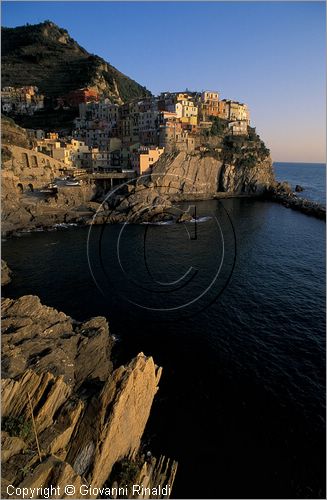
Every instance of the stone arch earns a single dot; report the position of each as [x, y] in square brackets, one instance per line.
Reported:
[25, 160]
[30, 185]
[34, 161]
[20, 187]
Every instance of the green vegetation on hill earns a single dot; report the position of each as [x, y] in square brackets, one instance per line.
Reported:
[219, 126]
[245, 151]
[46, 56]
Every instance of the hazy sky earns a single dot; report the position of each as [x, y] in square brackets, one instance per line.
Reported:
[270, 55]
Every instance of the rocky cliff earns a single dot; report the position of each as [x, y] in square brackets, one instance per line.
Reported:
[196, 175]
[5, 273]
[87, 415]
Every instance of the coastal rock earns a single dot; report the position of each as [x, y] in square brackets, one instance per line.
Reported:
[54, 471]
[10, 445]
[186, 175]
[299, 188]
[102, 439]
[87, 417]
[281, 188]
[47, 394]
[38, 337]
[84, 438]
[254, 178]
[157, 471]
[290, 200]
[5, 273]
[182, 176]
[184, 217]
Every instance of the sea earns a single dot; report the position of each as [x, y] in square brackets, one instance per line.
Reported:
[232, 306]
[310, 176]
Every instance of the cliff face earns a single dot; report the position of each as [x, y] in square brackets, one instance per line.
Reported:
[46, 56]
[189, 176]
[5, 273]
[197, 174]
[247, 179]
[53, 342]
[88, 416]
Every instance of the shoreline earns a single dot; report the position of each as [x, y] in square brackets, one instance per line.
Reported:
[289, 200]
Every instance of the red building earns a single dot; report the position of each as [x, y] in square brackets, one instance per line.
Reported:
[79, 96]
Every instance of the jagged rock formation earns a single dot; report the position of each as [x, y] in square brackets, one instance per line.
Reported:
[247, 179]
[40, 338]
[87, 416]
[5, 273]
[46, 56]
[188, 176]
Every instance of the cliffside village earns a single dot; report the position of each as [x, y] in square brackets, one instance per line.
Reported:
[117, 137]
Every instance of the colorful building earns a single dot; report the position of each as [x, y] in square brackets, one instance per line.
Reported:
[76, 97]
[145, 157]
[236, 111]
[209, 104]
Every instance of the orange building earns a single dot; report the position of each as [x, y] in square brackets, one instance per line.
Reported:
[222, 109]
[145, 158]
[76, 97]
[210, 103]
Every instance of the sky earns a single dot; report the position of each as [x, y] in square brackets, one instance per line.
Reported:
[270, 55]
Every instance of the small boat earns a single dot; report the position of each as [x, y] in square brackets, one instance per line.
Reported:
[72, 182]
[50, 188]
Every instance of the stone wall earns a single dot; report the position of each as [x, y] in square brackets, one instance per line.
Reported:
[28, 167]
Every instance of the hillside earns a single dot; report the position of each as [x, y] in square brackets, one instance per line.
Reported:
[12, 135]
[46, 56]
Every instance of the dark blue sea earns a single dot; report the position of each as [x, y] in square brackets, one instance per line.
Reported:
[233, 308]
[311, 176]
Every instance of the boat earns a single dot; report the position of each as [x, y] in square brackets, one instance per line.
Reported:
[50, 188]
[72, 182]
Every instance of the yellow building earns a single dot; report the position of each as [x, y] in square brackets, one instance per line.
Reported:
[187, 112]
[145, 158]
[236, 111]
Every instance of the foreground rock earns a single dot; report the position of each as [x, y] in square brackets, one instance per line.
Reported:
[5, 273]
[88, 416]
[38, 337]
